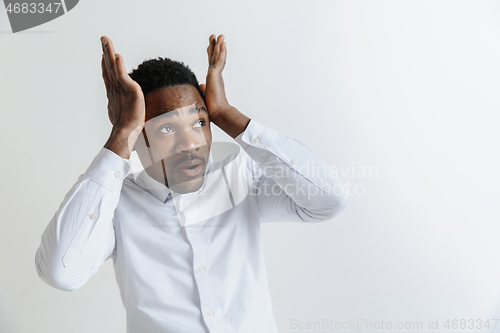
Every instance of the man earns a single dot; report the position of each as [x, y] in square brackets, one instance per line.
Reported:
[184, 234]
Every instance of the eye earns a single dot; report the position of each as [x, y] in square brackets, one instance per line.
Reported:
[199, 123]
[166, 129]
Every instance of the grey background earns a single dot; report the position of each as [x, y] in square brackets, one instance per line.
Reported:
[410, 87]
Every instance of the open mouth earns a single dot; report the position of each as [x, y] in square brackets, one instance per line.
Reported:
[191, 168]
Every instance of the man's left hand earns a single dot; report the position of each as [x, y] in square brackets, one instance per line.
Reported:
[215, 95]
[222, 114]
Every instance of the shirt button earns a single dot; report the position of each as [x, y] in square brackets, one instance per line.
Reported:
[118, 175]
[191, 230]
[184, 202]
[210, 313]
[93, 216]
[201, 269]
[293, 162]
[255, 140]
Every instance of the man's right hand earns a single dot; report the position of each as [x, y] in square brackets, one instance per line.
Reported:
[126, 108]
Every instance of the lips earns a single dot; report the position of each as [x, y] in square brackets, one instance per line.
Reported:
[191, 168]
[190, 163]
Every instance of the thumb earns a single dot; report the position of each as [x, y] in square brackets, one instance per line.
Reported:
[202, 88]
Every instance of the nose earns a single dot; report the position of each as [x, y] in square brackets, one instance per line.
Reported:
[189, 141]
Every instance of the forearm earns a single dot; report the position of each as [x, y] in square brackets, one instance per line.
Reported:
[313, 198]
[74, 244]
[121, 141]
[80, 236]
[310, 188]
[231, 121]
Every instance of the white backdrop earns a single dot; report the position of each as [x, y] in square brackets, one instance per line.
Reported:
[401, 96]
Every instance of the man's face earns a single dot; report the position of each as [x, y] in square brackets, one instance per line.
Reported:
[176, 138]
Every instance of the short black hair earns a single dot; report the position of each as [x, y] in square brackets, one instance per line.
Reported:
[161, 72]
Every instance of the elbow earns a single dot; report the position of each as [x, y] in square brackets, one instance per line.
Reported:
[338, 200]
[332, 205]
[53, 274]
[339, 204]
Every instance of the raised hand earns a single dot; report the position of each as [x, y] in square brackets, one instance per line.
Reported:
[126, 108]
[215, 95]
[222, 114]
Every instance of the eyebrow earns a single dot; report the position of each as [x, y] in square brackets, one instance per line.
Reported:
[173, 113]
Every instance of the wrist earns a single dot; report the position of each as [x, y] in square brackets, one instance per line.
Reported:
[121, 141]
[222, 112]
[231, 121]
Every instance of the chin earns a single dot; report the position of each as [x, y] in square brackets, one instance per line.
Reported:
[187, 187]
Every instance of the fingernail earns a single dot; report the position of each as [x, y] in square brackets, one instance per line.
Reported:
[103, 41]
[116, 56]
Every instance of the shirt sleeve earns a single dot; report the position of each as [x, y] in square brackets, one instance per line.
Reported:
[293, 185]
[80, 236]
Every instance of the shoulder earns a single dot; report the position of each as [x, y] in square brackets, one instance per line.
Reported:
[130, 183]
[230, 156]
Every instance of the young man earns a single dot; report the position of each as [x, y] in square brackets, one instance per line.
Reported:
[184, 234]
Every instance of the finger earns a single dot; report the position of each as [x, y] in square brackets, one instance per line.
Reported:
[105, 76]
[220, 40]
[223, 55]
[202, 88]
[211, 41]
[104, 42]
[217, 51]
[112, 59]
[211, 46]
[109, 55]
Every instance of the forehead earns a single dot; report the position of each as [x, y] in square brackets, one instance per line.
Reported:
[166, 99]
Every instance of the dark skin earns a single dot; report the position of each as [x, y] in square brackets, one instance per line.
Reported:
[180, 149]
[178, 134]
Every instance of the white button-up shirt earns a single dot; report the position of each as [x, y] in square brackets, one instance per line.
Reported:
[189, 263]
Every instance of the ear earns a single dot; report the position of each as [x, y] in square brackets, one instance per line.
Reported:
[202, 88]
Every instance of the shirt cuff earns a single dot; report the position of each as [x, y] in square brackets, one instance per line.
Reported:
[108, 169]
[257, 135]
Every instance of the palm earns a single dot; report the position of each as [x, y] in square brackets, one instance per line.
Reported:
[126, 108]
[215, 95]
